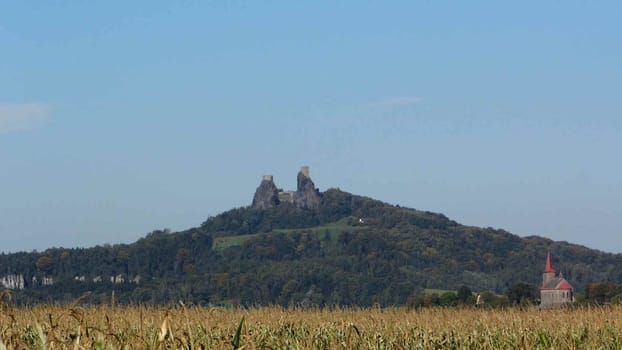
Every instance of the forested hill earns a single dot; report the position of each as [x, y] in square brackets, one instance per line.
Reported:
[350, 250]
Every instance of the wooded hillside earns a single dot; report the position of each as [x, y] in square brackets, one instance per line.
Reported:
[352, 250]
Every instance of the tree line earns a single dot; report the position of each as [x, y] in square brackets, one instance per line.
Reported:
[352, 250]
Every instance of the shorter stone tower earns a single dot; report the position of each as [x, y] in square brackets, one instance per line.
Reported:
[266, 195]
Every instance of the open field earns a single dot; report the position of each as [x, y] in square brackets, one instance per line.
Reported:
[333, 229]
[180, 327]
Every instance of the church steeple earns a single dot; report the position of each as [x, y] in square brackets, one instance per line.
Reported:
[548, 274]
[548, 267]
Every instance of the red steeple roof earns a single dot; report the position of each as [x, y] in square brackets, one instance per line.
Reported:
[548, 267]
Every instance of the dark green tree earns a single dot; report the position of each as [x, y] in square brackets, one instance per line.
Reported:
[464, 294]
[520, 293]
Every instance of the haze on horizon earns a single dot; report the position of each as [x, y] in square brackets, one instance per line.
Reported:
[118, 118]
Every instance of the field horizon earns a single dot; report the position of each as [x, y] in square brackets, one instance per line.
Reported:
[191, 327]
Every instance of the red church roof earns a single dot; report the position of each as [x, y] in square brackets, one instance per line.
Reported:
[548, 267]
[563, 284]
[557, 283]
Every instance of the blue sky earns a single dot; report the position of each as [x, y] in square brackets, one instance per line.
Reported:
[118, 118]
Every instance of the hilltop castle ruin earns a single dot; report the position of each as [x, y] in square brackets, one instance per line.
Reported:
[306, 195]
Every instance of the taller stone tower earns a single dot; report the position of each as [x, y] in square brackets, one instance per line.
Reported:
[306, 196]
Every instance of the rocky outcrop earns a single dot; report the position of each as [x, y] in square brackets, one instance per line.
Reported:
[266, 195]
[306, 196]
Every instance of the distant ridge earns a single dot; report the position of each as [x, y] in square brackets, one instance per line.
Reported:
[324, 248]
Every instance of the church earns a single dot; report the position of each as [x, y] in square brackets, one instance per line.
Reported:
[555, 290]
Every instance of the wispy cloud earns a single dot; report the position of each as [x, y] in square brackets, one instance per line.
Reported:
[22, 116]
[399, 101]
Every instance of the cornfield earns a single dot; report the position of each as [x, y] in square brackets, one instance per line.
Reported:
[188, 327]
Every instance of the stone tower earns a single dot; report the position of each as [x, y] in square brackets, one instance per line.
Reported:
[266, 195]
[306, 196]
[305, 170]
